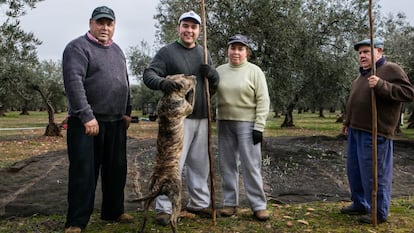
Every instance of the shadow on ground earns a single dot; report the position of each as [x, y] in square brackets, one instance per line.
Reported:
[295, 169]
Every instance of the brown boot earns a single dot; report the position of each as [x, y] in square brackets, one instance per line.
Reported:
[73, 230]
[262, 215]
[367, 218]
[202, 213]
[228, 211]
[125, 218]
[351, 210]
[162, 219]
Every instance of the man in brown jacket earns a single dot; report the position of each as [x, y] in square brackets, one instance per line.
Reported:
[391, 87]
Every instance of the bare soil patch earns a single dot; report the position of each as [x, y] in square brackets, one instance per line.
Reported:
[295, 169]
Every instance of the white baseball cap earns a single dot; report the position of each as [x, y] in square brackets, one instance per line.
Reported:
[190, 15]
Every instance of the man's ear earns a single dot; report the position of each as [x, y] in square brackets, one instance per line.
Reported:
[379, 52]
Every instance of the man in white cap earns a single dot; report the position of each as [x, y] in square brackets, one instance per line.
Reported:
[185, 56]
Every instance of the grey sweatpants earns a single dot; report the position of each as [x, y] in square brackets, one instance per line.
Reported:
[195, 159]
[237, 152]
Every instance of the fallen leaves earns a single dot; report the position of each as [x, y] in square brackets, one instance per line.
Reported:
[297, 216]
[21, 148]
[304, 222]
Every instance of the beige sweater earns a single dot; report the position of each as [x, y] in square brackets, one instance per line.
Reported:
[242, 94]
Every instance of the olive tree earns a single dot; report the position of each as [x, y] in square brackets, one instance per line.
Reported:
[17, 54]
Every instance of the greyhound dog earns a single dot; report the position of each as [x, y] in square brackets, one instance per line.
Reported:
[172, 109]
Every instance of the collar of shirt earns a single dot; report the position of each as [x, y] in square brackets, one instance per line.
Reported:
[182, 43]
[379, 63]
[91, 37]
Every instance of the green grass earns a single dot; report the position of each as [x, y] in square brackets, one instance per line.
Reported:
[306, 124]
[34, 119]
[306, 217]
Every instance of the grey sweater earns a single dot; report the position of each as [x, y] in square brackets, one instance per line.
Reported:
[96, 80]
[177, 59]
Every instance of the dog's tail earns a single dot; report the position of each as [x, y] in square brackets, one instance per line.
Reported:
[151, 195]
[156, 190]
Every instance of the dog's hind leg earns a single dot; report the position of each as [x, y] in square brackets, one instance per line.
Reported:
[176, 209]
[175, 198]
[146, 207]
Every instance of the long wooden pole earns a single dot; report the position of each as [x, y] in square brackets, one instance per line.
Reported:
[210, 155]
[374, 123]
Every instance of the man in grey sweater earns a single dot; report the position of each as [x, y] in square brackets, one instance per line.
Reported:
[185, 56]
[96, 84]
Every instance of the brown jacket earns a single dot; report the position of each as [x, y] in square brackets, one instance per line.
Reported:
[392, 89]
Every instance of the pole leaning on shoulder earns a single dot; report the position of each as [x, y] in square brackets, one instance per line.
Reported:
[374, 123]
[207, 91]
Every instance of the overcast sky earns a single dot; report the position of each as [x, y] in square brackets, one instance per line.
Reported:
[56, 22]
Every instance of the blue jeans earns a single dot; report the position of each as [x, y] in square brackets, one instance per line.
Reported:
[359, 170]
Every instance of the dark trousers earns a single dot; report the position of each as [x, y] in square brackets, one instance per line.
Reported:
[89, 156]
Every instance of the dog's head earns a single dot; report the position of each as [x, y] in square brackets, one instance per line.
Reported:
[183, 97]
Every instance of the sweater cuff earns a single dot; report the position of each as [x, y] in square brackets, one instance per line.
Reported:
[86, 116]
[257, 128]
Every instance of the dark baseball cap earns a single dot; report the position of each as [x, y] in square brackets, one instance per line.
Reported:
[238, 38]
[103, 12]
